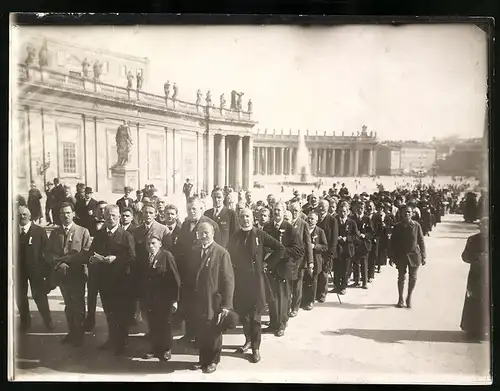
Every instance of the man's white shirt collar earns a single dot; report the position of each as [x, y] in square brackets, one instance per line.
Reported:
[113, 230]
[67, 228]
[25, 228]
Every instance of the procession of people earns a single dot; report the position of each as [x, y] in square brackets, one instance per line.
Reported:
[228, 264]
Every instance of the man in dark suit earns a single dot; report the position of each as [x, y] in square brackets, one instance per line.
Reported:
[248, 247]
[280, 276]
[57, 195]
[173, 228]
[362, 245]
[226, 218]
[68, 252]
[148, 228]
[211, 279]
[127, 221]
[125, 201]
[330, 227]
[32, 267]
[304, 237]
[407, 252]
[113, 252]
[348, 234]
[188, 238]
[319, 247]
[85, 209]
[161, 286]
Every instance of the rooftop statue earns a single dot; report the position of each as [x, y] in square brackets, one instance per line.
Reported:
[199, 94]
[208, 99]
[140, 80]
[85, 67]
[166, 89]
[176, 90]
[130, 79]
[239, 103]
[250, 106]
[222, 102]
[97, 70]
[43, 56]
[30, 57]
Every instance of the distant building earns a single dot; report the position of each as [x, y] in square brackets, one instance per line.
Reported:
[464, 159]
[403, 158]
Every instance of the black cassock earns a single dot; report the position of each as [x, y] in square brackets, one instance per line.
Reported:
[476, 311]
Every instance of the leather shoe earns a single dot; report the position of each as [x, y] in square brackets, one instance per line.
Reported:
[364, 287]
[165, 356]
[148, 356]
[321, 299]
[408, 303]
[400, 304]
[370, 280]
[244, 348]
[269, 330]
[308, 307]
[209, 368]
[342, 292]
[255, 356]
[293, 314]
[196, 366]
[279, 333]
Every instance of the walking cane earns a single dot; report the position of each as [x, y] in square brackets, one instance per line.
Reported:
[338, 296]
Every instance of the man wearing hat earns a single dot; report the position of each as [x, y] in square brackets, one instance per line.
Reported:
[49, 202]
[84, 210]
[125, 201]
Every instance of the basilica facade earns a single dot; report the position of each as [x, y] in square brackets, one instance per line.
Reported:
[69, 103]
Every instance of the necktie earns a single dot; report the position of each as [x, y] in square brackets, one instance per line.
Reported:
[151, 259]
[193, 224]
[203, 253]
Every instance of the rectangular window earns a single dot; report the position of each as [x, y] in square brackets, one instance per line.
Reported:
[123, 70]
[69, 157]
[105, 67]
[155, 164]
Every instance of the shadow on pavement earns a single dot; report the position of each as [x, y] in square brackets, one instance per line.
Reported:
[398, 336]
[350, 306]
[39, 348]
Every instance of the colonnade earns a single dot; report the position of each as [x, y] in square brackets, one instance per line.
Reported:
[229, 161]
[322, 161]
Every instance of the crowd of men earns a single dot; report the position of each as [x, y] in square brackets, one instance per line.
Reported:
[219, 266]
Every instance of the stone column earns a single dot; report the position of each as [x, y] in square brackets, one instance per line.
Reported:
[332, 163]
[290, 164]
[248, 174]
[356, 162]
[293, 160]
[221, 175]
[371, 158]
[263, 152]
[271, 160]
[323, 162]
[314, 163]
[342, 162]
[256, 155]
[239, 163]
[283, 172]
[209, 174]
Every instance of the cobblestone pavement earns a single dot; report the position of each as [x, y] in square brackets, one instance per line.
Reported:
[364, 339]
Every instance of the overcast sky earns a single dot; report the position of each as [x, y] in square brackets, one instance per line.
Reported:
[412, 82]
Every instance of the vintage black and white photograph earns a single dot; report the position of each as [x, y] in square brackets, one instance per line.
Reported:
[249, 203]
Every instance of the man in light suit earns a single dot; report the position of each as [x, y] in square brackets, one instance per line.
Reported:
[251, 251]
[407, 251]
[68, 252]
[304, 237]
[226, 218]
[32, 267]
[211, 279]
[125, 201]
[113, 251]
